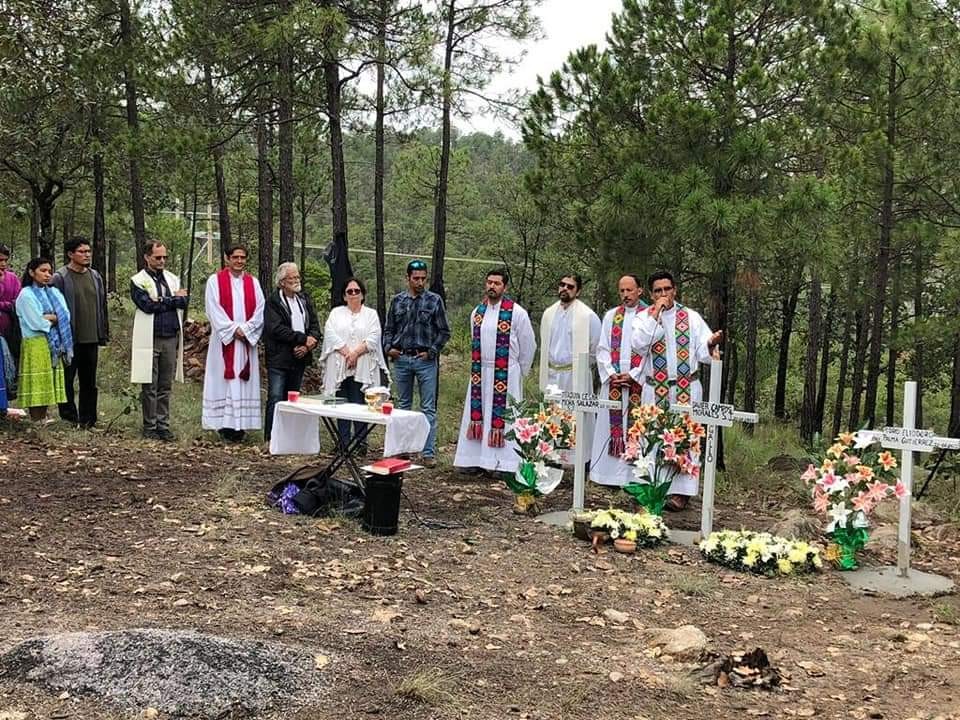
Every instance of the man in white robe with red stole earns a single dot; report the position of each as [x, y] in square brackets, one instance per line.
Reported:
[674, 341]
[621, 371]
[502, 348]
[231, 381]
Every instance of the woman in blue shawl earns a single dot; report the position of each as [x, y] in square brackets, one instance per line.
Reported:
[47, 340]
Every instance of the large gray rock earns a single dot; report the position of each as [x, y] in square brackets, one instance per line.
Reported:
[686, 642]
[180, 673]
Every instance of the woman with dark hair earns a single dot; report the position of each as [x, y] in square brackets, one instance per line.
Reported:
[352, 356]
[47, 340]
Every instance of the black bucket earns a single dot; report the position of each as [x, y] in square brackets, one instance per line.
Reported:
[381, 512]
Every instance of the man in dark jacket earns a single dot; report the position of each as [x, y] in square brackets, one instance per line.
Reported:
[86, 297]
[291, 331]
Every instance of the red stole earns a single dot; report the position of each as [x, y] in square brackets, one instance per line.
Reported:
[226, 302]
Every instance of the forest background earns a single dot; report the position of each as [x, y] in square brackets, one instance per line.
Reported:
[793, 162]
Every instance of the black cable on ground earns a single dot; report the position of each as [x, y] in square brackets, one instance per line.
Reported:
[429, 523]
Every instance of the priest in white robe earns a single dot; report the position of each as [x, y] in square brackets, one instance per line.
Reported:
[621, 367]
[568, 329]
[231, 382]
[674, 341]
[506, 342]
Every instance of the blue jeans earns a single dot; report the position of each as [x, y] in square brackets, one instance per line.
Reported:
[279, 383]
[353, 392]
[406, 368]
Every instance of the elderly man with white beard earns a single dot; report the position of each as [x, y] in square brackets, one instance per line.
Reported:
[291, 332]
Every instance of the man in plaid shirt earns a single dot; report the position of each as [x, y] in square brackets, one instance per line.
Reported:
[413, 336]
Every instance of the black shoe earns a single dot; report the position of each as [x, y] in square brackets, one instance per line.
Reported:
[150, 435]
[166, 436]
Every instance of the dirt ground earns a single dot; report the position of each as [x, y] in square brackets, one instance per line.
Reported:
[483, 614]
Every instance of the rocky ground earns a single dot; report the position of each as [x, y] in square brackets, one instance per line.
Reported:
[469, 612]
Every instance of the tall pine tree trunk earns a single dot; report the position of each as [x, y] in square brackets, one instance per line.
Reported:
[223, 207]
[750, 364]
[842, 373]
[378, 220]
[133, 126]
[331, 81]
[919, 369]
[826, 333]
[883, 255]
[285, 141]
[788, 308]
[891, 346]
[808, 409]
[440, 200]
[99, 237]
[859, 360]
[264, 196]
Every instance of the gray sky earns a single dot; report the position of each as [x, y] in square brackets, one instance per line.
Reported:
[566, 26]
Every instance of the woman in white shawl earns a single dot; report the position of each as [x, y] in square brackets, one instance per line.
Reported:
[351, 356]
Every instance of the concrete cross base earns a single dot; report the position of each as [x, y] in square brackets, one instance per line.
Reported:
[558, 518]
[887, 581]
[690, 538]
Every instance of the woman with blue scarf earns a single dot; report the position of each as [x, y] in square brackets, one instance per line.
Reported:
[47, 340]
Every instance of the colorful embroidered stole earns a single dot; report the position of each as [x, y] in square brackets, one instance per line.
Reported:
[249, 306]
[617, 445]
[661, 379]
[501, 366]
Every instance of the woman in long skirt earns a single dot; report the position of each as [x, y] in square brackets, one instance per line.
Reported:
[47, 340]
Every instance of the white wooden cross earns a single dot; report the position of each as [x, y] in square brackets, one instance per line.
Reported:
[714, 414]
[582, 404]
[910, 440]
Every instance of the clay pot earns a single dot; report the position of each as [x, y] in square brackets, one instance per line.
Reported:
[627, 547]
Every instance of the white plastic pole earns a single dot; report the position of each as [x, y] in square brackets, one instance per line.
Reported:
[710, 464]
[906, 476]
[582, 384]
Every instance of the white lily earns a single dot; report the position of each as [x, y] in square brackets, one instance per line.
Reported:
[860, 519]
[838, 516]
[864, 439]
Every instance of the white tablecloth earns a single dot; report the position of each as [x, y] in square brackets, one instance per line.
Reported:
[296, 427]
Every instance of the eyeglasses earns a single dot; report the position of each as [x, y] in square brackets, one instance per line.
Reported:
[662, 290]
[159, 257]
[569, 286]
[353, 291]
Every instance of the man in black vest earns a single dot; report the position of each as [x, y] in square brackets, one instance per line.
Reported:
[291, 331]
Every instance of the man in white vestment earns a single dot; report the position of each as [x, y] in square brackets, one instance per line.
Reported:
[621, 370]
[156, 356]
[674, 341]
[568, 328]
[502, 348]
[231, 382]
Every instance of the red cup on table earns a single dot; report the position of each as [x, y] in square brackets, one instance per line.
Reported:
[292, 396]
[386, 408]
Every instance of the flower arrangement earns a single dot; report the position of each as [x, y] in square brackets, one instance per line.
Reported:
[644, 529]
[540, 430]
[760, 553]
[853, 478]
[662, 444]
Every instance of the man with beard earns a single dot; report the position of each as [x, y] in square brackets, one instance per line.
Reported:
[502, 348]
[568, 329]
[291, 332]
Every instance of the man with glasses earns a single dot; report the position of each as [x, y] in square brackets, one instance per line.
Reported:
[86, 297]
[157, 348]
[414, 334]
[231, 382]
[291, 332]
[568, 329]
[674, 341]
